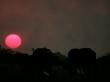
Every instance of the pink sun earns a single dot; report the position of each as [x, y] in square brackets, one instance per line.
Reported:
[13, 41]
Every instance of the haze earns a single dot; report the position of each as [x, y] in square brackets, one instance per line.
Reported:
[57, 24]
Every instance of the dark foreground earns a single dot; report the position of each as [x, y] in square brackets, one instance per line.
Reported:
[45, 66]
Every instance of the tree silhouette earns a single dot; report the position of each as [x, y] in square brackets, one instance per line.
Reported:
[88, 62]
[43, 65]
[103, 68]
[42, 61]
[82, 63]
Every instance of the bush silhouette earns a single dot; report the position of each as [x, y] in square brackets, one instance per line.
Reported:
[44, 65]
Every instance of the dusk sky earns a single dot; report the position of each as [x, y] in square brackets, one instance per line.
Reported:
[57, 24]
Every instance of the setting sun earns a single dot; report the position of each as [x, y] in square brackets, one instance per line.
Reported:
[13, 41]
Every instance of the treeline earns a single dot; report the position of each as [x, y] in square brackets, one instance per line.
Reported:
[45, 66]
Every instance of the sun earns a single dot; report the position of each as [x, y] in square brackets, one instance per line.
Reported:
[13, 41]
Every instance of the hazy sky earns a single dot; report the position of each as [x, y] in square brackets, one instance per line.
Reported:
[57, 24]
